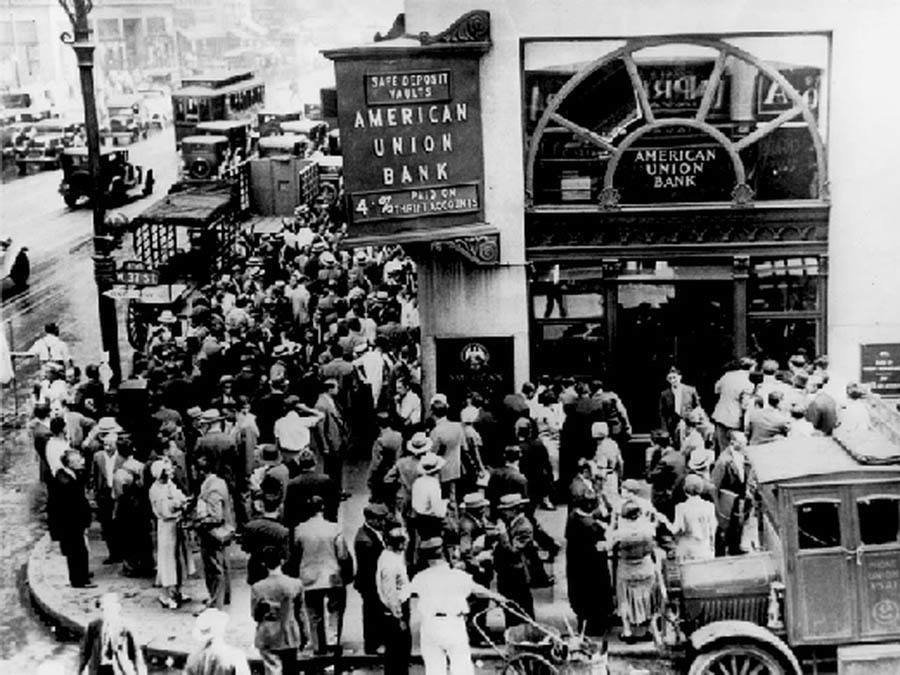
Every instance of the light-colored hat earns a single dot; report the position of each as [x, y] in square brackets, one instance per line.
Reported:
[166, 316]
[440, 399]
[511, 500]
[431, 544]
[210, 623]
[306, 460]
[194, 412]
[431, 463]
[419, 444]
[468, 415]
[327, 258]
[108, 425]
[474, 500]
[694, 417]
[599, 430]
[361, 348]
[699, 460]
[210, 415]
[375, 510]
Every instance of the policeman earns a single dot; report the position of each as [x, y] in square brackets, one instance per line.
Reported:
[443, 594]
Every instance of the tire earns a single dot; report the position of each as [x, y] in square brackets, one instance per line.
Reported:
[739, 658]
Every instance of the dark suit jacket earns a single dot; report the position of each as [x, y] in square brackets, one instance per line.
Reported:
[297, 495]
[504, 481]
[670, 413]
[74, 508]
[367, 547]
[258, 534]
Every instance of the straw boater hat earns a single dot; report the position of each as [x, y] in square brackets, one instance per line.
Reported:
[474, 500]
[419, 444]
[699, 460]
[431, 463]
[511, 500]
[108, 425]
[210, 415]
[269, 454]
[327, 258]
[166, 316]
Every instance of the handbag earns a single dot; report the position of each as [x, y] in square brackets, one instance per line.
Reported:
[223, 533]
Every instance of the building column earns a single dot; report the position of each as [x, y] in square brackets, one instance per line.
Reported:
[610, 269]
[741, 275]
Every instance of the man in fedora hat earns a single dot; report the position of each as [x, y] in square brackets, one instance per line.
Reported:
[443, 593]
[266, 530]
[308, 483]
[221, 449]
[429, 508]
[402, 475]
[507, 478]
[477, 536]
[512, 553]
[270, 463]
[105, 461]
[367, 546]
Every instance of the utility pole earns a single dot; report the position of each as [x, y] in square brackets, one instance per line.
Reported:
[104, 263]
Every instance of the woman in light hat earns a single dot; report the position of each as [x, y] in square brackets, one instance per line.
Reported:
[172, 561]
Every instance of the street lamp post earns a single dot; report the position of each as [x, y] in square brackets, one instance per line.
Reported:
[104, 263]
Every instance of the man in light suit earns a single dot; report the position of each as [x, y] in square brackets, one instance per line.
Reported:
[733, 388]
[321, 560]
[448, 438]
[675, 402]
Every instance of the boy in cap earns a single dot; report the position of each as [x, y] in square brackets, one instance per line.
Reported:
[367, 547]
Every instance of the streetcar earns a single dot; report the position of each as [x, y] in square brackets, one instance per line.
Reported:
[213, 97]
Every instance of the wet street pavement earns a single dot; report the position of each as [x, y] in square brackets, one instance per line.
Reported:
[61, 289]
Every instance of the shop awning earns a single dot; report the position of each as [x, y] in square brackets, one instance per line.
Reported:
[478, 243]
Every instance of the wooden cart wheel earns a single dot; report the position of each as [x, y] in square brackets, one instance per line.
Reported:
[136, 325]
[528, 664]
[738, 659]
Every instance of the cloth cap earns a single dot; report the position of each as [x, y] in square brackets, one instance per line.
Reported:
[108, 425]
[375, 511]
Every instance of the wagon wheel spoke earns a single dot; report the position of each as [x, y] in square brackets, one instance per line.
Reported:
[745, 670]
[760, 668]
[583, 132]
[639, 88]
[712, 87]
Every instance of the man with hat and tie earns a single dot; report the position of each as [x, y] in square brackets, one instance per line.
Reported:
[512, 554]
[266, 530]
[429, 508]
[221, 449]
[105, 461]
[367, 547]
[477, 536]
[443, 593]
[403, 474]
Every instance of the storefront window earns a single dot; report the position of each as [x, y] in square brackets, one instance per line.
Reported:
[779, 338]
[784, 285]
[576, 348]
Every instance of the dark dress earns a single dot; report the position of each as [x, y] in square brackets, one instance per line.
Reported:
[587, 573]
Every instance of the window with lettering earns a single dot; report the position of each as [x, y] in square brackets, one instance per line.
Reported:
[879, 520]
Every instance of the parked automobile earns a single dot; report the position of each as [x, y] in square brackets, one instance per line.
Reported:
[285, 144]
[315, 130]
[43, 151]
[121, 179]
[269, 120]
[203, 156]
[236, 131]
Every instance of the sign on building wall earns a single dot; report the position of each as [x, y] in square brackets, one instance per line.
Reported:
[881, 368]
[771, 99]
[474, 364]
[411, 139]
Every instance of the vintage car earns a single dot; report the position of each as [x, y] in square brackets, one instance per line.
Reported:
[121, 179]
[236, 131]
[158, 102]
[286, 144]
[129, 119]
[269, 120]
[203, 157]
[315, 130]
[42, 151]
[827, 576]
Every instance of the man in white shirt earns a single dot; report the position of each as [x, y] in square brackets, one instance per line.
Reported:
[371, 363]
[409, 406]
[392, 585]
[292, 430]
[443, 594]
[50, 347]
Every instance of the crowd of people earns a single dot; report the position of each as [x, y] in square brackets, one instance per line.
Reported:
[236, 421]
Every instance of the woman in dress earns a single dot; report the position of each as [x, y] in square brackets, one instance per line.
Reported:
[168, 503]
[639, 588]
[587, 572]
[694, 523]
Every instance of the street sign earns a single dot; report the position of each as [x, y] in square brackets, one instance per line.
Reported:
[122, 293]
[136, 273]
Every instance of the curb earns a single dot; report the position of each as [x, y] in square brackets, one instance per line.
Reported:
[42, 596]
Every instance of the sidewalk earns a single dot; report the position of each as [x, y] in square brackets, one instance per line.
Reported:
[167, 634]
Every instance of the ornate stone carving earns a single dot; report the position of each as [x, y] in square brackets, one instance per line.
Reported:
[742, 195]
[609, 198]
[476, 249]
[397, 30]
[474, 26]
